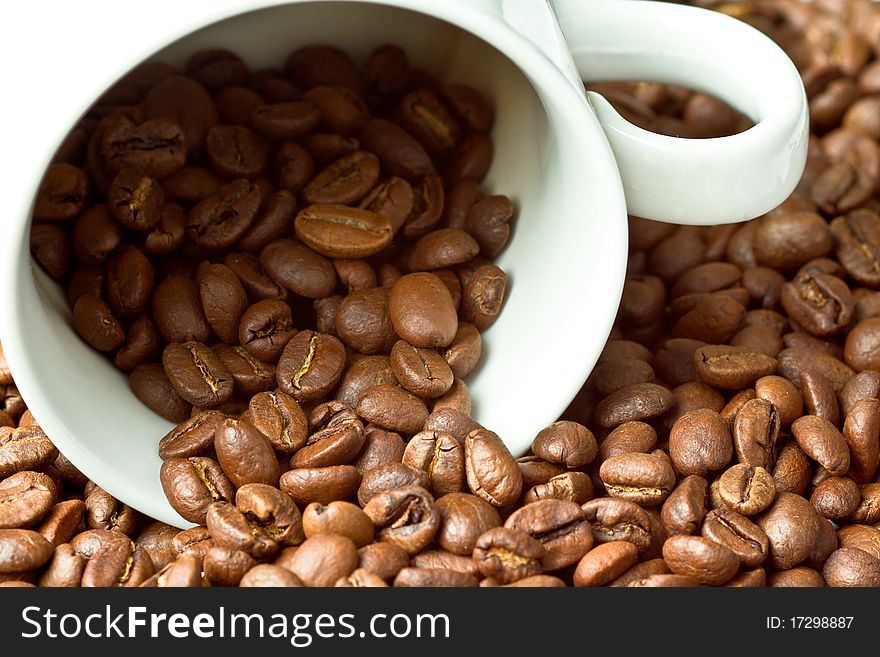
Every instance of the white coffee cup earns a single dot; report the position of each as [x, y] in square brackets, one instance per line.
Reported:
[567, 258]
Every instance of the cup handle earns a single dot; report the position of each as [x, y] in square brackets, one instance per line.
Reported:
[694, 181]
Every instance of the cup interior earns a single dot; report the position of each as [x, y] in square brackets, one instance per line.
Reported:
[565, 261]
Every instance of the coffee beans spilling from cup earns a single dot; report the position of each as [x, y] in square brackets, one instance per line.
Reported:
[303, 295]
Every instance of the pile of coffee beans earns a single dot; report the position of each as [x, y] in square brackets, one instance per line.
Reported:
[728, 435]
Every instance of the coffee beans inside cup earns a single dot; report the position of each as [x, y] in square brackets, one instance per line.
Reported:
[297, 272]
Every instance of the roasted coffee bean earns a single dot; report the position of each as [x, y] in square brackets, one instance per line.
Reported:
[565, 442]
[142, 344]
[640, 401]
[265, 329]
[22, 550]
[851, 567]
[50, 247]
[616, 519]
[823, 443]
[821, 303]
[836, 498]
[149, 384]
[491, 470]
[422, 310]
[463, 518]
[363, 321]
[400, 154]
[384, 560]
[508, 555]
[249, 375]
[129, 282]
[103, 511]
[698, 557]
[746, 489]
[343, 518]
[405, 516]
[795, 360]
[864, 384]
[569, 486]
[560, 526]
[683, 511]
[483, 296]
[339, 231]
[192, 484]
[280, 418]
[862, 345]
[25, 448]
[230, 529]
[95, 324]
[819, 397]
[604, 563]
[25, 498]
[61, 521]
[700, 442]
[245, 454]
[738, 534]
[218, 221]
[868, 511]
[731, 368]
[269, 575]
[422, 372]
[62, 193]
[178, 311]
[856, 245]
[223, 300]
[441, 456]
[792, 526]
[310, 365]
[787, 241]
[336, 444]
[861, 430]
[64, 570]
[755, 431]
[298, 268]
[196, 374]
[324, 485]
[392, 408]
[323, 559]
[193, 437]
[389, 477]
[156, 146]
[645, 479]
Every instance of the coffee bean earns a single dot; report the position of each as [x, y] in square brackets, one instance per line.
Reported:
[700, 558]
[149, 384]
[836, 498]
[738, 534]
[129, 282]
[508, 555]
[156, 146]
[560, 526]
[25, 497]
[422, 311]
[192, 484]
[640, 401]
[683, 511]
[336, 444]
[95, 323]
[823, 443]
[851, 567]
[393, 408]
[324, 485]
[604, 563]
[310, 365]
[795, 360]
[641, 478]
[856, 238]
[405, 516]
[860, 430]
[25, 448]
[196, 374]
[819, 397]
[731, 368]
[422, 372]
[746, 490]
[245, 454]
[363, 321]
[323, 559]
[269, 575]
[298, 268]
[792, 527]
[491, 471]
[400, 154]
[821, 303]
[868, 511]
[700, 442]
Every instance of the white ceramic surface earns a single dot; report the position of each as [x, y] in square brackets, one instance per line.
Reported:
[566, 261]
